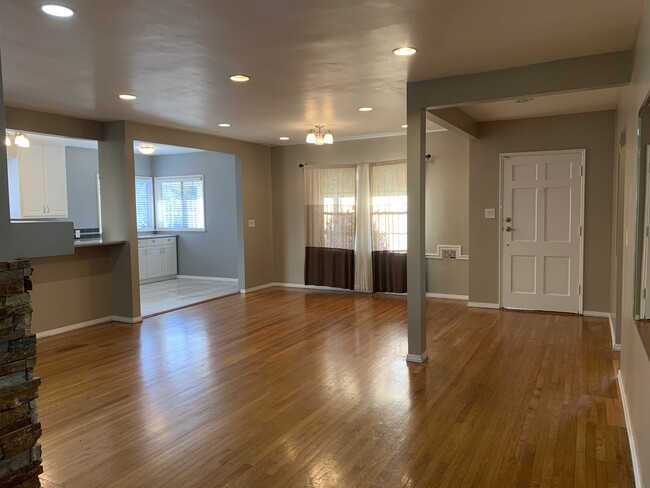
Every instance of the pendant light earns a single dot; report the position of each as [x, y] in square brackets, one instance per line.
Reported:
[21, 140]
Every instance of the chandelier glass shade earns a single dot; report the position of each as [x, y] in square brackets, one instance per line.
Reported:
[19, 139]
[319, 137]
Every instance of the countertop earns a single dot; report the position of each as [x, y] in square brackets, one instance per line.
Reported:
[95, 242]
[156, 236]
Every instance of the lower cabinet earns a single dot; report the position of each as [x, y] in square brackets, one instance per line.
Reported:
[157, 258]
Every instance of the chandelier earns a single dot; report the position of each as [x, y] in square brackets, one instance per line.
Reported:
[316, 136]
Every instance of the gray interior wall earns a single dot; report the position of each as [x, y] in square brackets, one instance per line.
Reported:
[143, 165]
[591, 131]
[213, 252]
[82, 166]
[447, 201]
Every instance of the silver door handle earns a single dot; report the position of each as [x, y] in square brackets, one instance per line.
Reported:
[43, 208]
[508, 229]
[48, 209]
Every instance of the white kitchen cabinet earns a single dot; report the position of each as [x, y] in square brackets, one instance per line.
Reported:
[142, 262]
[157, 257]
[170, 264]
[42, 182]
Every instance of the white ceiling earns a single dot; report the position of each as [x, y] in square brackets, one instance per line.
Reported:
[310, 62]
[564, 103]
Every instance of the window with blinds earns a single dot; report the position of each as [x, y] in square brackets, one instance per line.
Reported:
[180, 203]
[144, 202]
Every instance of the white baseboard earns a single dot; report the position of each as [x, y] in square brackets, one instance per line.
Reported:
[206, 278]
[257, 288]
[590, 313]
[68, 328]
[314, 287]
[447, 297]
[630, 433]
[417, 358]
[89, 323]
[127, 320]
[494, 306]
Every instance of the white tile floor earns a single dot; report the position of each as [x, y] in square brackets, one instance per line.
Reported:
[163, 296]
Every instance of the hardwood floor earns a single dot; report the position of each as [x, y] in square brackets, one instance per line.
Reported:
[289, 388]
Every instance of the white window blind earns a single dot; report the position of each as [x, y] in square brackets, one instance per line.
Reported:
[144, 202]
[180, 203]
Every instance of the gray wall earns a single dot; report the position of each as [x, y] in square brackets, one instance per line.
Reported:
[591, 131]
[143, 165]
[447, 201]
[213, 252]
[82, 166]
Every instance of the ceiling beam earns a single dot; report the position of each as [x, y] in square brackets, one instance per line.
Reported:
[563, 76]
[53, 124]
[455, 120]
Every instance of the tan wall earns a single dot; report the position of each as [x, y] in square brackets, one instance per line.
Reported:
[72, 289]
[591, 131]
[447, 201]
[635, 364]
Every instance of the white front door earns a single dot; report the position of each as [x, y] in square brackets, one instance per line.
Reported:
[541, 224]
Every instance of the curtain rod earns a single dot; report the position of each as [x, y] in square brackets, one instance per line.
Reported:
[427, 157]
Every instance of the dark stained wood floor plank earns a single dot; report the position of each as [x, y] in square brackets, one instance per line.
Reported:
[299, 388]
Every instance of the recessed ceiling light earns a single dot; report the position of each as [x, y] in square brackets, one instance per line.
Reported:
[128, 96]
[284, 138]
[524, 100]
[405, 126]
[240, 78]
[365, 109]
[405, 51]
[147, 149]
[224, 125]
[57, 10]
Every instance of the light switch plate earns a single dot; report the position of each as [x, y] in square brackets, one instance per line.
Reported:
[251, 222]
[490, 213]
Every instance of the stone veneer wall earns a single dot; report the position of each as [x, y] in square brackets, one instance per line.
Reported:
[20, 455]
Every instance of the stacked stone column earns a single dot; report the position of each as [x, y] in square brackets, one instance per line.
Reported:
[20, 455]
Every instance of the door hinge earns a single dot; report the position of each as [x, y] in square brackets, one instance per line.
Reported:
[582, 170]
[579, 289]
[647, 231]
[644, 293]
[580, 231]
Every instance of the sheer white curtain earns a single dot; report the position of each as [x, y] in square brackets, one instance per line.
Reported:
[363, 241]
[330, 200]
[388, 206]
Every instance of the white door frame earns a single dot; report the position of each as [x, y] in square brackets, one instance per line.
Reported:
[583, 171]
[646, 225]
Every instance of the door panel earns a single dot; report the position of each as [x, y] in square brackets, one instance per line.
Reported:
[541, 241]
[54, 171]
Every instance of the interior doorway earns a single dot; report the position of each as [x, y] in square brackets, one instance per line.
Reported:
[542, 221]
[188, 225]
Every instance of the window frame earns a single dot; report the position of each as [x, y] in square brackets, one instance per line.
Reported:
[156, 179]
[152, 217]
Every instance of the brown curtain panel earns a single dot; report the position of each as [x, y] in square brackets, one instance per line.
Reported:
[389, 272]
[329, 267]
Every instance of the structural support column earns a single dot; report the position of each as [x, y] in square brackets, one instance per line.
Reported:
[416, 264]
